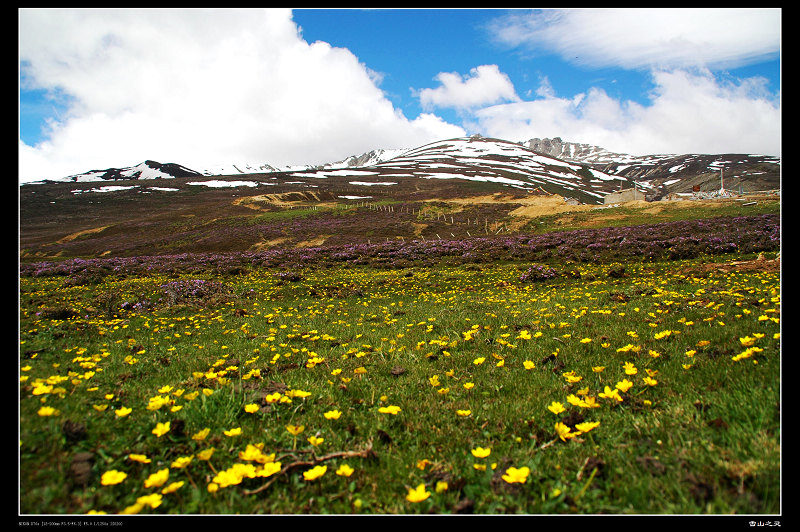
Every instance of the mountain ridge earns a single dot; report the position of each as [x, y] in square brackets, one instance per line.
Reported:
[456, 188]
[658, 174]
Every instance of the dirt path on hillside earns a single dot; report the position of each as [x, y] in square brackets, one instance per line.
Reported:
[303, 198]
[535, 206]
[73, 236]
[529, 206]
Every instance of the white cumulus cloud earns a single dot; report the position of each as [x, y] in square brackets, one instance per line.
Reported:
[687, 112]
[485, 85]
[201, 87]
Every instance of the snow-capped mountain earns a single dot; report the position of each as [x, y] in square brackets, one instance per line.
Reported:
[354, 161]
[483, 159]
[671, 172]
[368, 159]
[580, 171]
[145, 170]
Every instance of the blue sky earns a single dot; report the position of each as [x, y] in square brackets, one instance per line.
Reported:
[412, 46]
[112, 87]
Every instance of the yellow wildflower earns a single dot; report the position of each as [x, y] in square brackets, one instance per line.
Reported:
[46, 411]
[182, 461]
[417, 494]
[574, 400]
[563, 431]
[345, 470]
[624, 385]
[205, 454]
[157, 479]
[268, 469]
[161, 429]
[201, 435]
[481, 452]
[295, 430]
[608, 393]
[518, 476]
[589, 402]
[315, 472]
[747, 341]
[273, 397]
[112, 477]
[172, 487]
[587, 426]
[132, 509]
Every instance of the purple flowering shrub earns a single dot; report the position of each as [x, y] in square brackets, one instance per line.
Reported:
[538, 272]
[662, 241]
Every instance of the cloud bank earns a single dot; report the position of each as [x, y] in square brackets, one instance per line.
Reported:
[180, 86]
[690, 108]
[688, 112]
[646, 38]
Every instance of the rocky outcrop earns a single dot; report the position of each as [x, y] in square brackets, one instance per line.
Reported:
[569, 151]
[553, 147]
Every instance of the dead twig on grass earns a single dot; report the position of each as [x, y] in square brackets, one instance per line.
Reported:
[364, 453]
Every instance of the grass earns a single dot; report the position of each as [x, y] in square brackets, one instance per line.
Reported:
[622, 215]
[701, 438]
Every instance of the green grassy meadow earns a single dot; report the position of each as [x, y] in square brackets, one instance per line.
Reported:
[635, 388]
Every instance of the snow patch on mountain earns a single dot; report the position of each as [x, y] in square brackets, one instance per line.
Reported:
[145, 170]
[215, 183]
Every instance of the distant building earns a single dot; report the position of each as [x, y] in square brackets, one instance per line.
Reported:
[629, 194]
